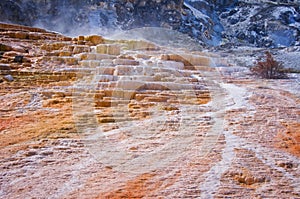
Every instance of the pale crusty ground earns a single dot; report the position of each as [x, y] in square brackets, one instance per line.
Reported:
[235, 137]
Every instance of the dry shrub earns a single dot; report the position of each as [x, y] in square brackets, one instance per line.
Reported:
[269, 68]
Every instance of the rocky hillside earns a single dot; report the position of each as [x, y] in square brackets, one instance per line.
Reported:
[210, 22]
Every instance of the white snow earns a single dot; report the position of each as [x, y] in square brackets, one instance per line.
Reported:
[198, 14]
[281, 10]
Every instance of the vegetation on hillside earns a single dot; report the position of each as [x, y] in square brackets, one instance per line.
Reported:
[269, 68]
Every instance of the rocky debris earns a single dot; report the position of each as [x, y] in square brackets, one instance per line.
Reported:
[91, 117]
[246, 177]
[286, 165]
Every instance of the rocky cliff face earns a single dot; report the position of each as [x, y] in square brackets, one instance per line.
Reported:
[211, 22]
[262, 24]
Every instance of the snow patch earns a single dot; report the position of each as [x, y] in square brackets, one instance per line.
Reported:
[197, 13]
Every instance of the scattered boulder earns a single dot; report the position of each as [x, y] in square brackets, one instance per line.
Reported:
[18, 58]
[8, 78]
[248, 178]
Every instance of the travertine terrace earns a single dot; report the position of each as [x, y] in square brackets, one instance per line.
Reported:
[89, 117]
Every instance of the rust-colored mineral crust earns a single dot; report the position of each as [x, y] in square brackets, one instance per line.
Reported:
[89, 117]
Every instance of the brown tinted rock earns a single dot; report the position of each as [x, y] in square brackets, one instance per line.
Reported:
[21, 35]
[140, 45]
[80, 49]
[111, 49]
[65, 53]
[245, 177]
[249, 180]
[54, 46]
[31, 153]
[286, 165]
[125, 62]
[94, 39]
[19, 49]
[28, 65]
[80, 38]
[4, 47]
[188, 59]
[95, 56]
[5, 67]
[35, 36]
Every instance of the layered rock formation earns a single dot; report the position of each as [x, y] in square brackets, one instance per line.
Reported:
[210, 22]
[90, 117]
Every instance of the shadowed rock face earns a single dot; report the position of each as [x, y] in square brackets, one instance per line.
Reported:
[211, 22]
[67, 16]
[149, 13]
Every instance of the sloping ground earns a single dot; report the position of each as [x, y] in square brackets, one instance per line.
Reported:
[89, 117]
